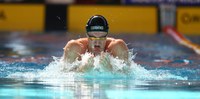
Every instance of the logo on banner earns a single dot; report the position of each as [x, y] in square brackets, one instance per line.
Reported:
[188, 19]
[2, 15]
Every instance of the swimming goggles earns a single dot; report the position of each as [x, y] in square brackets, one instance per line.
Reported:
[89, 34]
[97, 38]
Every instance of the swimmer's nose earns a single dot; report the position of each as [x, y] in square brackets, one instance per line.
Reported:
[97, 43]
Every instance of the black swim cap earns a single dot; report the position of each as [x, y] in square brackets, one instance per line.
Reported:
[97, 23]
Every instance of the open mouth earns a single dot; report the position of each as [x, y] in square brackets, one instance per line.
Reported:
[96, 46]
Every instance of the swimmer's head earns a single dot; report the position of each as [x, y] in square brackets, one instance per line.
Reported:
[97, 24]
[97, 31]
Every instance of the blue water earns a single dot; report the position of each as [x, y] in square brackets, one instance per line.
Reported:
[32, 80]
[37, 74]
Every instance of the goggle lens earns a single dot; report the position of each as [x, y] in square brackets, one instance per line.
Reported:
[102, 34]
[97, 38]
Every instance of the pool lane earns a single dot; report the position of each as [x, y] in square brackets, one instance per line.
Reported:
[152, 51]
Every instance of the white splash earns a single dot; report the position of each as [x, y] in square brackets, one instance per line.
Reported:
[58, 69]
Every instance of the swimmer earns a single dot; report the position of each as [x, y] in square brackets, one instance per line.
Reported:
[96, 43]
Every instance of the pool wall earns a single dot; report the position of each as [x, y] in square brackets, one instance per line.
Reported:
[129, 18]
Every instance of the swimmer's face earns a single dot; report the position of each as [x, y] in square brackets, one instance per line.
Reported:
[97, 42]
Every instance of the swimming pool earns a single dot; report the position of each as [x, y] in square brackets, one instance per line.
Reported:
[30, 68]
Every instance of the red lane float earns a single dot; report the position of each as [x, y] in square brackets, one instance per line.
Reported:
[181, 39]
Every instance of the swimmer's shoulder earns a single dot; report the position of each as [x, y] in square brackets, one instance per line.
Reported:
[78, 43]
[110, 39]
[82, 40]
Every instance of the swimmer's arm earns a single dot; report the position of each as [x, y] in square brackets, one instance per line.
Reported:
[118, 49]
[72, 51]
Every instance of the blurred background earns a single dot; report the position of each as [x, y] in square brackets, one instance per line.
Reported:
[124, 16]
[36, 30]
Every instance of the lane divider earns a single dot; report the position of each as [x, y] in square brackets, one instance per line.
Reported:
[181, 39]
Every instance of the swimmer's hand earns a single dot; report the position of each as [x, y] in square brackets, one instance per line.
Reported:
[105, 61]
[87, 66]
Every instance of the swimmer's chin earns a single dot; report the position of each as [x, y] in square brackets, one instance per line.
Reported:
[97, 53]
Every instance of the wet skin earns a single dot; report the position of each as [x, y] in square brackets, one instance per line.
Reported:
[95, 43]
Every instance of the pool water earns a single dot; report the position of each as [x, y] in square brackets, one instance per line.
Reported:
[160, 69]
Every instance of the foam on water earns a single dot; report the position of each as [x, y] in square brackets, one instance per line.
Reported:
[58, 69]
